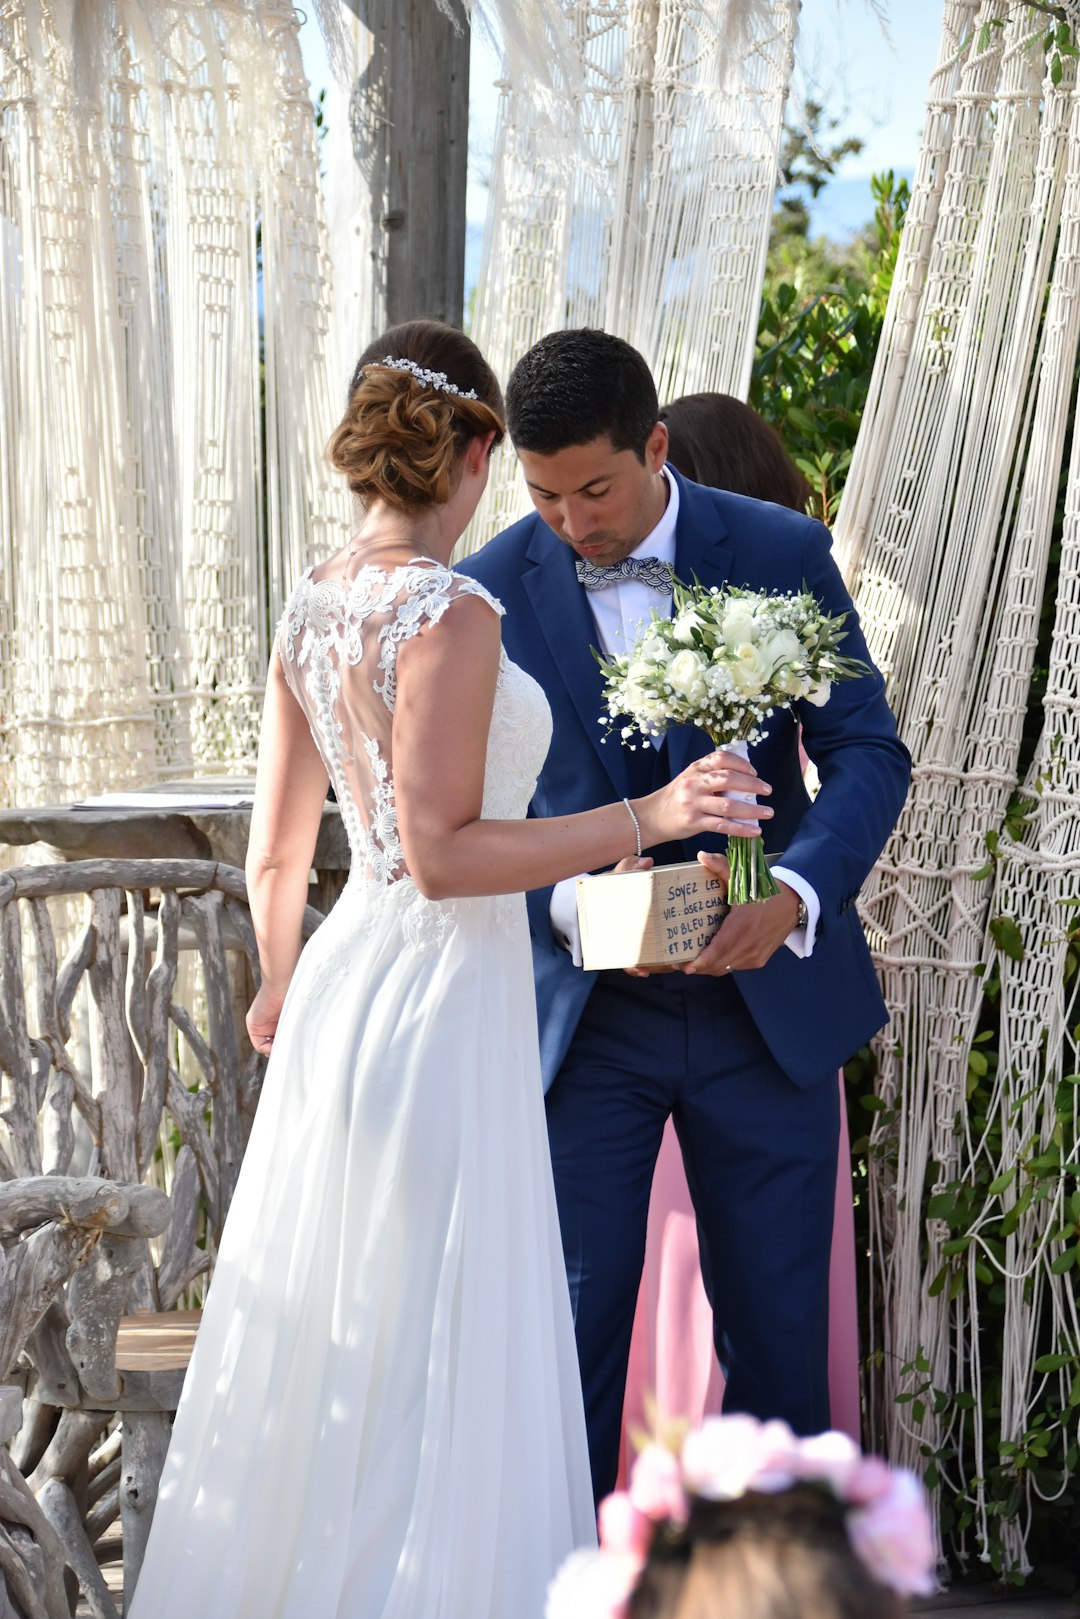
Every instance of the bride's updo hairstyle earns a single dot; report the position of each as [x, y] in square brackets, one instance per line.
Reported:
[404, 434]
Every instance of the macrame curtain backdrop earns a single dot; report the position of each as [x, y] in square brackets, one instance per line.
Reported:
[639, 199]
[945, 533]
[164, 383]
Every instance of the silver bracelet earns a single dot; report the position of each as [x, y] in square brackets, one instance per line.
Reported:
[637, 825]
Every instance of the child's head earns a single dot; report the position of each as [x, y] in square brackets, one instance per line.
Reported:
[748, 1521]
[782, 1556]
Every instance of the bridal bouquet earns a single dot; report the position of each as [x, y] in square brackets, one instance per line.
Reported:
[725, 660]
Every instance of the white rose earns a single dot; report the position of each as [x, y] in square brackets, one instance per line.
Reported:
[685, 674]
[795, 684]
[783, 647]
[636, 698]
[737, 624]
[819, 695]
[749, 672]
[653, 649]
[684, 626]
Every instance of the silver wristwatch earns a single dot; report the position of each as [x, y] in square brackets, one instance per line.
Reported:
[802, 917]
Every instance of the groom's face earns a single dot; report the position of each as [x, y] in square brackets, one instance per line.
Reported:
[599, 500]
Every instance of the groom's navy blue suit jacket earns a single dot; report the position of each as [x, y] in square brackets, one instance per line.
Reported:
[814, 1013]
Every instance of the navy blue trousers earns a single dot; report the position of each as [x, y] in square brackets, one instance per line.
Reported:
[760, 1156]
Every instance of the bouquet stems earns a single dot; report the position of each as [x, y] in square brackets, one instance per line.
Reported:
[750, 880]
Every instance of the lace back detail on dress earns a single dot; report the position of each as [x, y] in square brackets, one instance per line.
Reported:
[338, 641]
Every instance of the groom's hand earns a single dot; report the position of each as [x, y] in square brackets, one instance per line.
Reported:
[750, 934]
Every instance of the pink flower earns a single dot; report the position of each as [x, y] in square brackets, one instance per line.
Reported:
[623, 1527]
[871, 1480]
[894, 1538]
[656, 1485]
[728, 1455]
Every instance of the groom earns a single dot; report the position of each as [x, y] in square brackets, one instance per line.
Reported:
[742, 1048]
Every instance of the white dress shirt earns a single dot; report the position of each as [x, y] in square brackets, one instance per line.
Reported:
[619, 612]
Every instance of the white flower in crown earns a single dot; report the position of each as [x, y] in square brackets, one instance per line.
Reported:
[430, 379]
[727, 1456]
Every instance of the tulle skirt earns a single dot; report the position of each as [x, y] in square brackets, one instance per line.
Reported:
[382, 1418]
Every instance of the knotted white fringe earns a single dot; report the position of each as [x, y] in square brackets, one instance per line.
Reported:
[945, 532]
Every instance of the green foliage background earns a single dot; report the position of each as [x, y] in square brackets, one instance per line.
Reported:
[822, 313]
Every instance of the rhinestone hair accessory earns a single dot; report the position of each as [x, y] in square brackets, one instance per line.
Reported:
[430, 379]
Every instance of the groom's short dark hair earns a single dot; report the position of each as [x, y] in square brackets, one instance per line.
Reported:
[576, 386]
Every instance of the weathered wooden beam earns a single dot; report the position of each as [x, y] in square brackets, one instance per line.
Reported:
[31, 1275]
[38, 1425]
[58, 1505]
[11, 1400]
[77, 1200]
[159, 988]
[20, 1112]
[56, 1382]
[110, 1043]
[27, 882]
[146, 1439]
[182, 1259]
[409, 116]
[39, 1551]
[99, 1295]
[69, 1449]
[205, 915]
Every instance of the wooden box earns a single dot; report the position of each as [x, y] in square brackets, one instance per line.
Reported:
[657, 918]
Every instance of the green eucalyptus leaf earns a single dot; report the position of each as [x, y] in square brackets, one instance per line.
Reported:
[1053, 1363]
[1007, 936]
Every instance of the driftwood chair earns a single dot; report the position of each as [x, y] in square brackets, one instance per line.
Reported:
[107, 1082]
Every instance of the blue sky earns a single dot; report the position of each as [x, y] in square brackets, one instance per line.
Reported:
[875, 82]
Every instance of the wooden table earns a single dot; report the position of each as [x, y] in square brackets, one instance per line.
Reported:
[197, 829]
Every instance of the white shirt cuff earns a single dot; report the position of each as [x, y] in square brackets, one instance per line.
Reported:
[564, 917]
[800, 941]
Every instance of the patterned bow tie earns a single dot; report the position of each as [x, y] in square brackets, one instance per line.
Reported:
[647, 570]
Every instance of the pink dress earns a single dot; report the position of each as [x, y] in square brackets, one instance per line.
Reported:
[672, 1358]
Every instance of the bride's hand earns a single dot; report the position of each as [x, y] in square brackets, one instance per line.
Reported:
[704, 798]
[262, 1019]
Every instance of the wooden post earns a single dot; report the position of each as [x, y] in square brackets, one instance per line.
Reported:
[409, 119]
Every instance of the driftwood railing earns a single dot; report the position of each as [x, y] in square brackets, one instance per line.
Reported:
[108, 1081]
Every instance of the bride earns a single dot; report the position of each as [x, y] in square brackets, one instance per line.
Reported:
[382, 1418]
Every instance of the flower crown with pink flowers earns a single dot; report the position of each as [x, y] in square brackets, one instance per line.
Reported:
[887, 1518]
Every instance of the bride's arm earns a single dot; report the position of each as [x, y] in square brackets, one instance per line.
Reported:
[445, 692]
[290, 790]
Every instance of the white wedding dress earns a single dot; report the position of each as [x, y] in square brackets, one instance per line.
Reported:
[382, 1418]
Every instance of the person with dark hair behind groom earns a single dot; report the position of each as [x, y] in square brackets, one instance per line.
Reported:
[715, 439]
